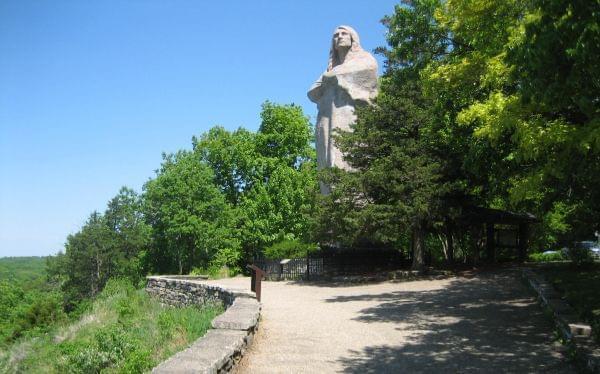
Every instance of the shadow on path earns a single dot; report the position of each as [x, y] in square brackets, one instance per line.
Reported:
[489, 323]
[326, 283]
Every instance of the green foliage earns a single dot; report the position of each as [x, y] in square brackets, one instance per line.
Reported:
[27, 312]
[284, 135]
[547, 257]
[414, 37]
[521, 79]
[227, 257]
[482, 103]
[231, 156]
[28, 306]
[211, 208]
[235, 193]
[137, 361]
[407, 178]
[278, 206]
[289, 248]
[108, 245]
[190, 218]
[556, 60]
[217, 272]
[27, 271]
[581, 289]
[115, 287]
[108, 347]
[124, 331]
[268, 177]
[580, 256]
[132, 235]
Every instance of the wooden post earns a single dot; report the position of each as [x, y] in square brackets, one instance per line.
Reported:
[475, 233]
[307, 266]
[490, 242]
[255, 280]
[523, 239]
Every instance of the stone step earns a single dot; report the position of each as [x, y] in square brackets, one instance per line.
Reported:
[208, 355]
[242, 315]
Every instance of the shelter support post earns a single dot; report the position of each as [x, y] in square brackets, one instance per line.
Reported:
[523, 240]
[490, 241]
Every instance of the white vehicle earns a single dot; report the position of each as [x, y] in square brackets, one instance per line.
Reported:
[592, 246]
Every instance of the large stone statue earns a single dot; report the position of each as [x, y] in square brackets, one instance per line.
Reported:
[350, 80]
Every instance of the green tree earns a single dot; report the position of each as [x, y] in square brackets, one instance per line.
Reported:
[409, 175]
[396, 188]
[285, 135]
[555, 61]
[231, 156]
[283, 187]
[109, 245]
[268, 177]
[191, 221]
[24, 311]
[527, 87]
[89, 261]
[132, 234]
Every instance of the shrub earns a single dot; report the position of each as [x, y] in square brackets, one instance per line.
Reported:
[289, 248]
[83, 360]
[217, 272]
[124, 331]
[27, 311]
[109, 347]
[546, 257]
[116, 286]
[138, 361]
[229, 257]
[580, 256]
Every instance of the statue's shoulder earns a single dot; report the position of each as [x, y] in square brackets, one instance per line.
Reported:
[367, 59]
[361, 60]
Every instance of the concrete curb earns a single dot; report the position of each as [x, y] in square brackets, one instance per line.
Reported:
[221, 348]
[576, 333]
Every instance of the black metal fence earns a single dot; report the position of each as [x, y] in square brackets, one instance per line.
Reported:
[332, 262]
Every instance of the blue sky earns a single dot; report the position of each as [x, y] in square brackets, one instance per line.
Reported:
[92, 92]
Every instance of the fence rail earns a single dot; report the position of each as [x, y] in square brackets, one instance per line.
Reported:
[331, 262]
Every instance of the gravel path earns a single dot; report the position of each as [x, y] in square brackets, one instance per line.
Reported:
[484, 323]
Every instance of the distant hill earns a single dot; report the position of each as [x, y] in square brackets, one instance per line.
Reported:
[27, 271]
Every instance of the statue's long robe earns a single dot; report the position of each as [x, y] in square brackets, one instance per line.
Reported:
[336, 93]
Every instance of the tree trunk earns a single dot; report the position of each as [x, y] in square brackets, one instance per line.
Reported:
[450, 245]
[98, 267]
[444, 240]
[447, 240]
[418, 248]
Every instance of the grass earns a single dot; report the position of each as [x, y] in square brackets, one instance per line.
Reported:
[581, 288]
[124, 332]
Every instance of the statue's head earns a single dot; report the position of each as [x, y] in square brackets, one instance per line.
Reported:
[343, 37]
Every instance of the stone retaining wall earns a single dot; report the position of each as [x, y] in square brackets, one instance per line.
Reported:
[573, 330]
[232, 332]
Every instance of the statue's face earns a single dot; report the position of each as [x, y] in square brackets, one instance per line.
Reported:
[342, 39]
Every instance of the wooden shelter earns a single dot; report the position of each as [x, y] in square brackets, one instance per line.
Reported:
[503, 230]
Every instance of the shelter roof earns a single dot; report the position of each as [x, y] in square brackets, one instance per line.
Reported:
[488, 215]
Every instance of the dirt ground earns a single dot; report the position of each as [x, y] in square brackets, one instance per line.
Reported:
[484, 323]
